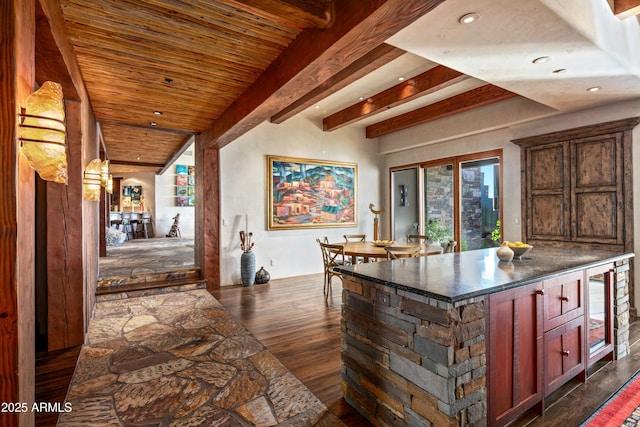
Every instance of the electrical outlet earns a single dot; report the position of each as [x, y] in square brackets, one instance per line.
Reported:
[272, 263]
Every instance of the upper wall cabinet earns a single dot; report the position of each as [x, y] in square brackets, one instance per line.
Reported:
[577, 186]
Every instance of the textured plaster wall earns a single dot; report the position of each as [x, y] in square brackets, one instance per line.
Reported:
[243, 171]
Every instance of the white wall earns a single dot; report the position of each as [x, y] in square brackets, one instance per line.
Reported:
[166, 200]
[243, 177]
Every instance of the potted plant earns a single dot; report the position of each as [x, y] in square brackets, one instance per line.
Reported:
[437, 232]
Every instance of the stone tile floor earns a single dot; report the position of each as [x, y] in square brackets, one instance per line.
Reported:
[139, 257]
[181, 359]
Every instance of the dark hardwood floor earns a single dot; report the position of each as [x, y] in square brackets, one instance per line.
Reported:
[291, 318]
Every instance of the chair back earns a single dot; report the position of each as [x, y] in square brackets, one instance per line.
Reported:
[423, 239]
[355, 237]
[396, 252]
[450, 246]
[332, 255]
[146, 217]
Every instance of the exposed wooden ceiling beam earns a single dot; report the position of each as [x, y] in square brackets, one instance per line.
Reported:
[294, 13]
[371, 61]
[430, 81]
[626, 8]
[56, 24]
[481, 96]
[311, 59]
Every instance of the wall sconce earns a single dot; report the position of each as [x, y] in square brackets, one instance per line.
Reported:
[91, 180]
[106, 180]
[43, 134]
[96, 175]
[404, 195]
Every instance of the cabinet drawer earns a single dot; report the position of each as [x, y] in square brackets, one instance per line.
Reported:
[564, 354]
[563, 299]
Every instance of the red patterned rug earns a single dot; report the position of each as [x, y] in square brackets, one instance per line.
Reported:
[621, 409]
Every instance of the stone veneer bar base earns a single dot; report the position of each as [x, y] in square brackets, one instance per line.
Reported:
[410, 360]
[386, 375]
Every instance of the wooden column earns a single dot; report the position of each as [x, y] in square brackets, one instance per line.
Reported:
[64, 244]
[17, 238]
[207, 218]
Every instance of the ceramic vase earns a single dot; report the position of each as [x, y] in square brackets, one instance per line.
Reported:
[262, 276]
[504, 253]
[248, 268]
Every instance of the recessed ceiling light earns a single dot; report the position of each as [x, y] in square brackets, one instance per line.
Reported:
[401, 78]
[361, 98]
[138, 157]
[316, 106]
[153, 123]
[594, 89]
[469, 18]
[168, 80]
[541, 60]
[560, 71]
[157, 113]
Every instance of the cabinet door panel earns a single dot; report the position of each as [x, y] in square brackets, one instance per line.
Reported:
[563, 299]
[515, 353]
[564, 354]
[548, 216]
[596, 217]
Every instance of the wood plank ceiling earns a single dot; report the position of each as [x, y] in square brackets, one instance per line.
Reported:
[159, 71]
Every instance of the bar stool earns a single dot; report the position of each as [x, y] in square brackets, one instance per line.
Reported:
[127, 226]
[116, 219]
[143, 225]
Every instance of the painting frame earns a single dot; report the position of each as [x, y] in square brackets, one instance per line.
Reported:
[308, 193]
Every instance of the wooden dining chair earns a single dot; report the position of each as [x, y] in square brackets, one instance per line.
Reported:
[450, 246]
[332, 256]
[355, 237]
[396, 252]
[422, 239]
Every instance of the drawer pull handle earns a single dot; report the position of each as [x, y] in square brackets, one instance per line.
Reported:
[565, 352]
[564, 299]
[540, 292]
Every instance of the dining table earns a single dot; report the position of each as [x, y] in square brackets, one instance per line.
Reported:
[369, 250]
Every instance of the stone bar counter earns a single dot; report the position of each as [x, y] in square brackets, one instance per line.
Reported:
[417, 333]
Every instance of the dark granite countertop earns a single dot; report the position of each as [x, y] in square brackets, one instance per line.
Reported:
[462, 275]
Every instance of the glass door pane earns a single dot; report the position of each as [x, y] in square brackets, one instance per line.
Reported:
[404, 203]
[479, 202]
[439, 191]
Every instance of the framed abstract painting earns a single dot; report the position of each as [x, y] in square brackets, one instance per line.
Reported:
[306, 193]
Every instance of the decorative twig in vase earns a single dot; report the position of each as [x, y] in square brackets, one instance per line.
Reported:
[245, 241]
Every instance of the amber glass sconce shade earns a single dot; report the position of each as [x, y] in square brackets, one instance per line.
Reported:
[43, 134]
[91, 181]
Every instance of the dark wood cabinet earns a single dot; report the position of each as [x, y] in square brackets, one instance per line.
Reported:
[563, 354]
[563, 299]
[577, 186]
[515, 348]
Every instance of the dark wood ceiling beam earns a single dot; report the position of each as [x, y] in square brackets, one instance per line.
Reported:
[437, 78]
[626, 8]
[475, 98]
[57, 27]
[371, 61]
[311, 59]
[294, 13]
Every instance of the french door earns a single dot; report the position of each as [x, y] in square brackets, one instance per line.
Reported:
[458, 199]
